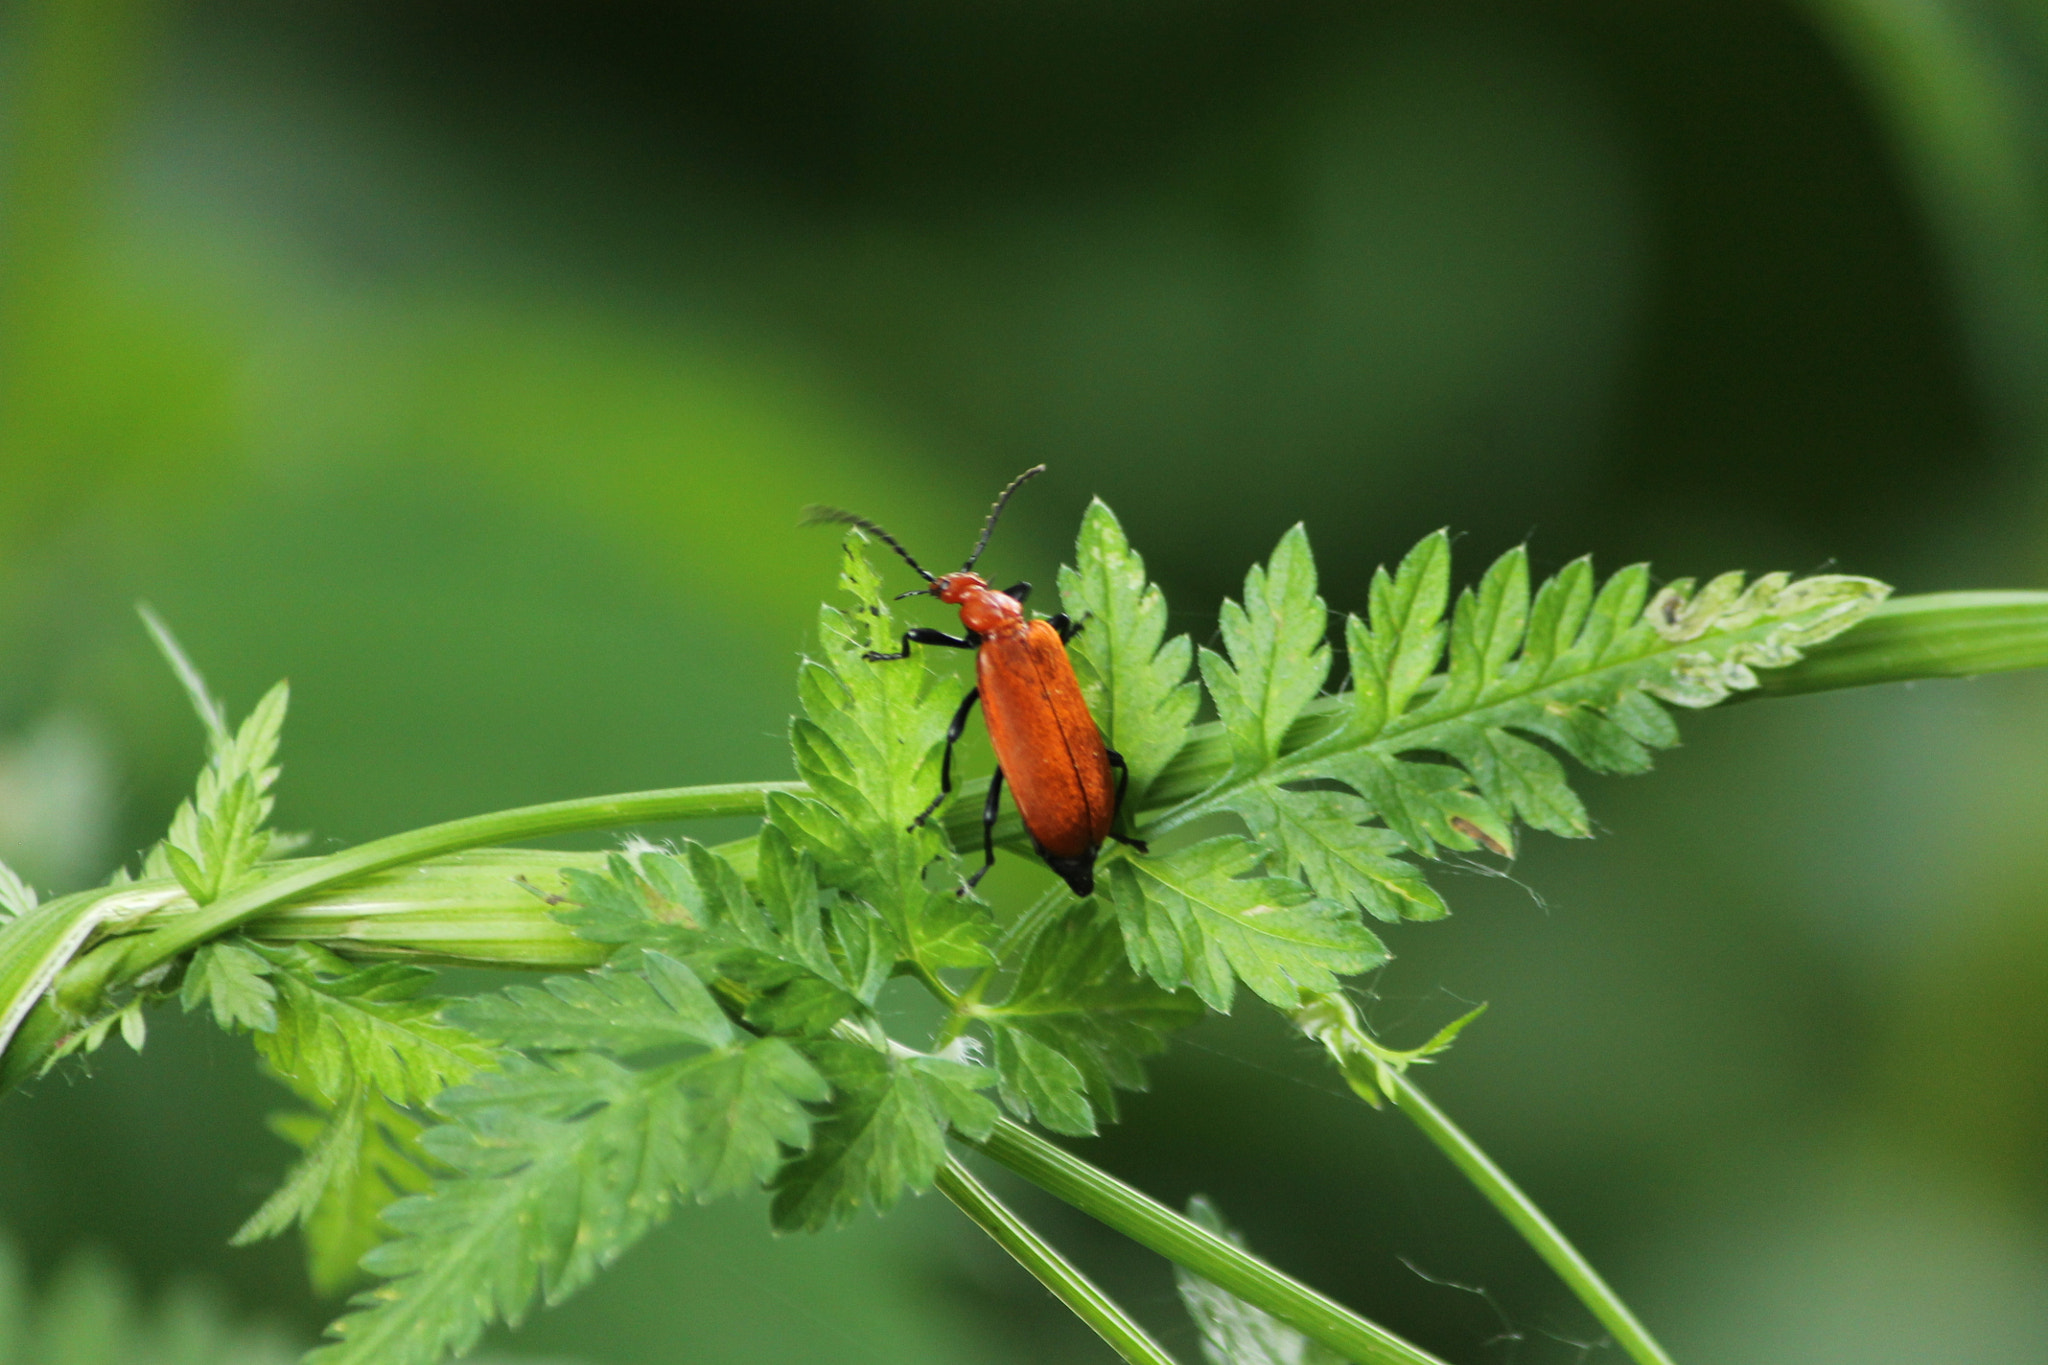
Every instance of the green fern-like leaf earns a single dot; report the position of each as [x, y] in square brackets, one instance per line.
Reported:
[333, 1145]
[797, 959]
[363, 1156]
[1425, 762]
[1078, 1023]
[625, 1013]
[342, 1028]
[885, 1134]
[222, 831]
[360, 1045]
[1339, 797]
[1390, 663]
[216, 839]
[1135, 679]
[233, 983]
[1278, 661]
[869, 738]
[565, 1159]
[868, 743]
[1580, 666]
[1206, 918]
[1323, 834]
[794, 955]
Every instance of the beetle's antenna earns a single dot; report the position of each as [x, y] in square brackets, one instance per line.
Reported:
[988, 527]
[815, 515]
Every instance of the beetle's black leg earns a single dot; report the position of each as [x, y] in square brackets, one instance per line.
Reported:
[924, 635]
[1067, 626]
[988, 829]
[1019, 591]
[1123, 782]
[953, 733]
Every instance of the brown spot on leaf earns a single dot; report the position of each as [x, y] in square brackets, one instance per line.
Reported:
[1480, 836]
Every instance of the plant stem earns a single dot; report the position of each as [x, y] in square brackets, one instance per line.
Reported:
[122, 959]
[525, 822]
[941, 992]
[1146, 1221]
[1051, 1269]
[478, 908]
[1537, 1230]
[1931, 635]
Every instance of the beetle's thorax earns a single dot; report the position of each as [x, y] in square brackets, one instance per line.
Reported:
[983, 610]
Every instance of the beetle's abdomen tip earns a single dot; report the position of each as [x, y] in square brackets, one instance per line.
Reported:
[1078, 873]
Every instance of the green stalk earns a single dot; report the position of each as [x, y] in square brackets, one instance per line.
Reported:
[1051, 1269]
[1538, 1231]
[414, 846]
[481, 908]
[1933, 635]
[121, 959]
[1186, 1243]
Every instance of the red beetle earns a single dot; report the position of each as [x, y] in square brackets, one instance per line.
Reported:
[1047, 745]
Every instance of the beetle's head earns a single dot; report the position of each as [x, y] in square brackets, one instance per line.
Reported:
[955, 588]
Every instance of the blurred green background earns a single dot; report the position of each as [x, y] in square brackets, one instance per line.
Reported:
[468, 363]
